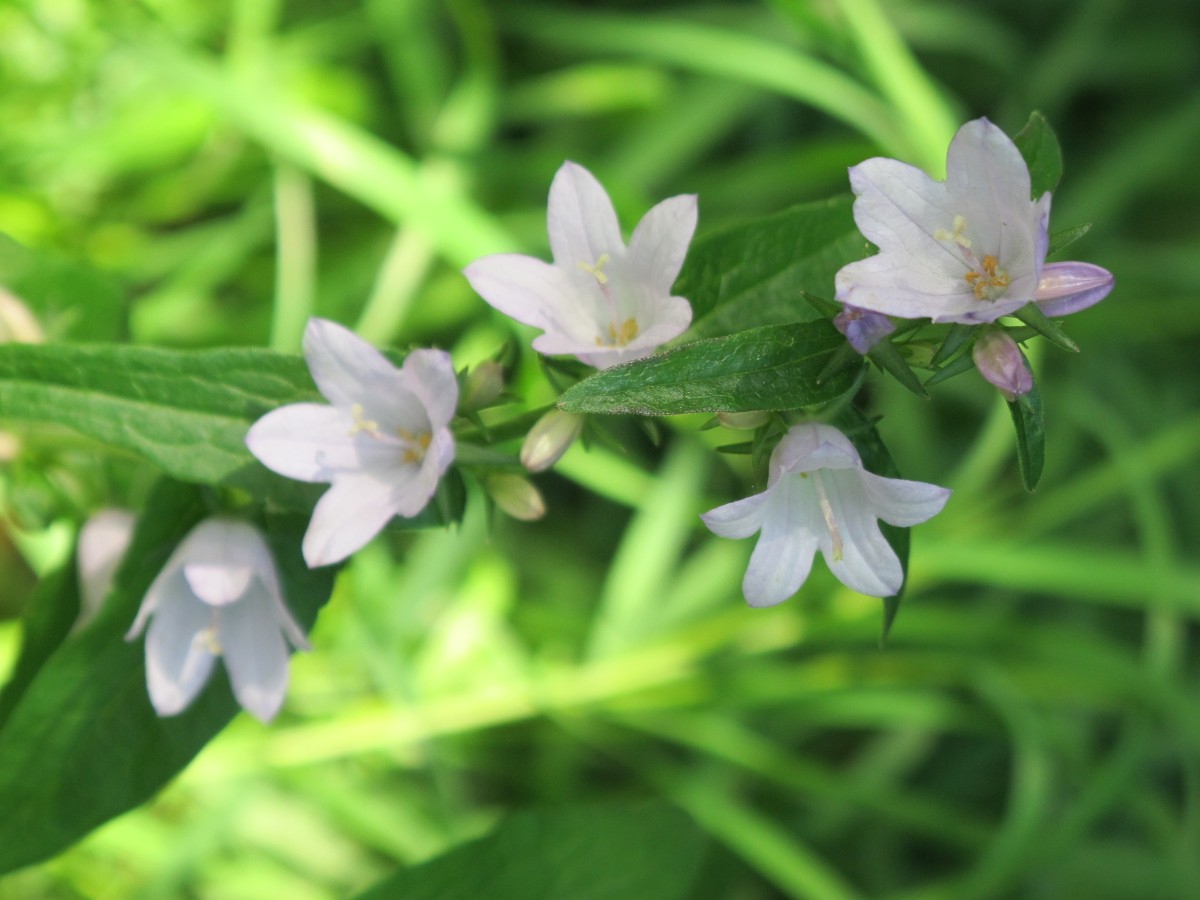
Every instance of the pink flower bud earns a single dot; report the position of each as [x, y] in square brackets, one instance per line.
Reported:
[1000, 362]
[1068, 287]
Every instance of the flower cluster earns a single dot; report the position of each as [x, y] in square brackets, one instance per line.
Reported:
[969, 250]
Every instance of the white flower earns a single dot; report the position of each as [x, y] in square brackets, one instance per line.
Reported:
[383, 442]
[103, 540]
[969, 249]
[601, 301]
[218, 595]
[819, 496]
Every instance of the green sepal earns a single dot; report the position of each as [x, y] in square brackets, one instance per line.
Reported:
[1038, 145]
[1029, 422]
[1031, 314]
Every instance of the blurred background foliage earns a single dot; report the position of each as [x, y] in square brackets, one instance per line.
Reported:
[213, 172]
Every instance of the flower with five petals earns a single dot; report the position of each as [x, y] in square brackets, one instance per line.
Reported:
[820, 497]
[218, 595]
[383, 441]
[600, 300]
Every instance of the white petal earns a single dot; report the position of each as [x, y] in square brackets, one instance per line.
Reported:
[580, 219]
[660, 241]
[782, 558]
[102, 543]
[901, 502]
[430, 376]
[348, 515]
[533, 292]
[218, 584]
[255, 654]
[989, 181]
[178, 658]
[216, 544]
[345, 368]
[738, 519]
[860, 557]
[305, 441]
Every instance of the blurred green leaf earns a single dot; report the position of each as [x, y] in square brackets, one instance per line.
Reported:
[1039, 146]
[48, 618]
[69, 301]
[1030, 425]
[82, 743]
[648, 851]
[1031, 314]
[774, 367]
[1061, 240]
[755, 274]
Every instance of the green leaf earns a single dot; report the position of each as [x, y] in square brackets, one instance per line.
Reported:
[647, 850]
[756, 274]
[956, 366]
[956, 337]
[68, 300]
[1061, 240]
[771, 368]
[887, 357]
[82, 743]
[51, 612]
[1030, 425]
[876, 458]
[1039, 147]
[1031, 314]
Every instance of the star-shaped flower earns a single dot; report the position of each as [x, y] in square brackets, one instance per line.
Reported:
[383, 442]
[969, 249]
[599, 300]
[218, 595]
[819, 497]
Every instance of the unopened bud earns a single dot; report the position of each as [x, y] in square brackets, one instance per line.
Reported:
[516, 495]
[999, 361]
[483, 384]
[17, 323]
[743, 421]
[862, 328]
[549, 439]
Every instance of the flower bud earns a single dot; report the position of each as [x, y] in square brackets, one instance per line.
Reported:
[743, 421]
[17, 323]
[1068, 287]
[483, 384]
[1000, 362]
[549, 439]
[861, 327]
[516, 495]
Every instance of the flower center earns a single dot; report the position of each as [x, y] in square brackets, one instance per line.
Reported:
[593, 269]
[618, 335]
[361, 423]
[415, 445]
[987, 280]
[835, 536]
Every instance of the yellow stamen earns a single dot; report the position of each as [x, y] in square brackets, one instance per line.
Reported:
[830, 522]
[594, 270]
[991, 282]
[619, 337]
[370, 426]
[958, 235]
[417, 444]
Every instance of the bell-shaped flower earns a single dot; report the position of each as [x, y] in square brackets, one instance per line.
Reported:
[969, 249]
[1000, 362]
[383, 442]
[819, 497]
[103, 540]
[601, 301]
[218, 595]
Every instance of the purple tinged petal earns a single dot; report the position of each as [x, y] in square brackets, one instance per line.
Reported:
[1068, 287]
[306, 441]
[344, 366]
[179, 659]
[256, 655]
[347, 516]
[580, 218]
[660, 241]
[738, 519]
[901, 502]
[862, 328]
[531, 291]
[430, 376]
[999, 361]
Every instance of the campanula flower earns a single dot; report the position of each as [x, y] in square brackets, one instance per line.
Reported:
[820, 497]
[218, 595]
[600, 300]
[969, 249]
[862, 328]
[999, 361]
[383, 442]
[103, 540]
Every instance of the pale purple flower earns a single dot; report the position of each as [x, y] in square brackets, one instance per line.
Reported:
[999, 361]
[103, 540]
[218, 595]
[819, 497]
[599, 300]
[383, 442]
[862, 328]
[1068, 287]
[969, 249]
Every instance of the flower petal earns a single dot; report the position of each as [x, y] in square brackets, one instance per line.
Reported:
[255, 653]
[988, 181]
[1000, 362]
[660, 241]
[348, 515]
[782, 558]
[1068, 287]
[857, 553]
[178, 658]
[901, 502]
[580, 219]
[344, 366]
[738, 519]
[430, 376]
[103, 540]
[533, 292]
[305, 441]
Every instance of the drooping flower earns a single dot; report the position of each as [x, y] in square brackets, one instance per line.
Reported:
[999, 361]
[820, 497]
[969, 249]
[862, 328]
[383, 442]
[218, 595]
[599, 300]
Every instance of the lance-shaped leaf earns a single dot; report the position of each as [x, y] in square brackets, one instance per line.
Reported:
[1039, 148]
[771, 368]
[1030, 425]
